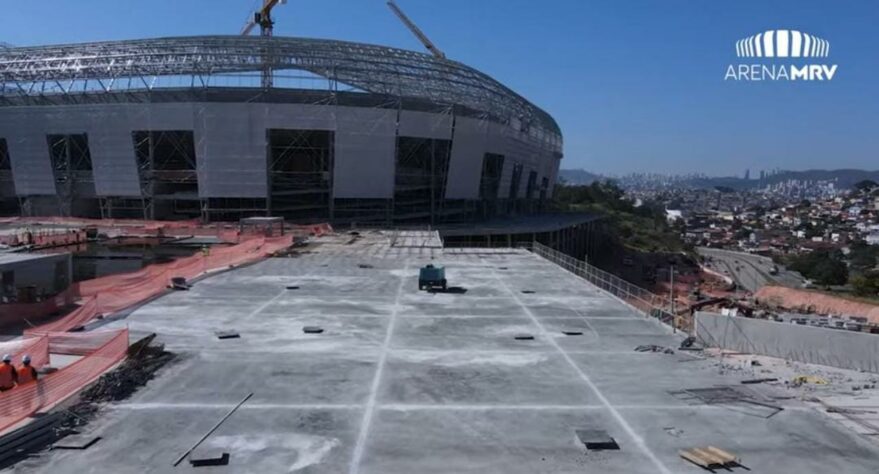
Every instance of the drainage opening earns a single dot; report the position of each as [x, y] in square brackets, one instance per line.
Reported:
[597, 440]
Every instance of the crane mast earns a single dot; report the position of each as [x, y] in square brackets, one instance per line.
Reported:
[263, 18]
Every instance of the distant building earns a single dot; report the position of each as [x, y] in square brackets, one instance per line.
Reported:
[748, 173]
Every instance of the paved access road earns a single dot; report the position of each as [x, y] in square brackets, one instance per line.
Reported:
[749, 271]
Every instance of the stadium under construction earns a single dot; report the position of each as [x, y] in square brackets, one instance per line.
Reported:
[224, 127]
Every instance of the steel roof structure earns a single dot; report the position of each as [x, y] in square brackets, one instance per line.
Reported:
[137, 65]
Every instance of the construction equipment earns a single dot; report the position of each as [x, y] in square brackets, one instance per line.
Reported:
[263, 18]
[416, 31]
[432, 277]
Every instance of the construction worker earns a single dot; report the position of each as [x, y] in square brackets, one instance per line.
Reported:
[26, 373]
[8, 375]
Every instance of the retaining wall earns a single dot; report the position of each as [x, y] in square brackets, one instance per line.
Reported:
[836, 348]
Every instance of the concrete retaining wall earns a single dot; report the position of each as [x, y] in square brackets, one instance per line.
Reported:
[836, 348]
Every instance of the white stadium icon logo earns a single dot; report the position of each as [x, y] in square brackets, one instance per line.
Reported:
[782, 44]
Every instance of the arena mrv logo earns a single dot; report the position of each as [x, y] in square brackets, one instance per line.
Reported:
[792, 56]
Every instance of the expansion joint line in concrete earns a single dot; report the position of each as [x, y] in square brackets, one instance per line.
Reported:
[588, 381]
[369, 410]
[275, 298]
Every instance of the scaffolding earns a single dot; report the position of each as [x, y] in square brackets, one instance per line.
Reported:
[422, 167]
[300, 164]
[72, 172]
[9, 205]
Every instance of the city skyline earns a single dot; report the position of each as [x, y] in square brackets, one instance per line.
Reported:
[635, 86]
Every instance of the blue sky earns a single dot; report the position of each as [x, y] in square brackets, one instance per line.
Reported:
[636, 85]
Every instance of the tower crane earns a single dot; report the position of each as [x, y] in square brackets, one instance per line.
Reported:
[263, 18]
[416, 31]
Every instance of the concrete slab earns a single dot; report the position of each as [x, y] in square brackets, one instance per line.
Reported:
[405, 381]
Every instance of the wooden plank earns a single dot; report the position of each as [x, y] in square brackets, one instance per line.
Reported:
[708, 455]
[726, 456]
[693, 458]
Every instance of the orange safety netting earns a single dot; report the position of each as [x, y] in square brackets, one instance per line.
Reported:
[14, 313]
[116, 292]
[78, 343]
[24, 400]
[35, 346]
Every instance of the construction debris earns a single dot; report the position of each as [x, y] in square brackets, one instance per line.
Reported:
[29, 438]
[133, 373]
[312, 330]
[804, 379]
[227, 334]
[179, 283]
[523, 337]
[710, 458]
[77, 441]
[220, 459]
[292, 287]
[690, 344]
[572, 333]
[654, 348]
[217, 425]
[760, 380]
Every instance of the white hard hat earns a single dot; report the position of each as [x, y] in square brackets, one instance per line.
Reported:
[26, 359]
[7, 358]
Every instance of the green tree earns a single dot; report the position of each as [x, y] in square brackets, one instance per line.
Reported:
[822, 266]
[863, 257]
[866, 284]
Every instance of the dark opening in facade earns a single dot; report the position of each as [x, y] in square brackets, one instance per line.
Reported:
[166, 165]
[422, 167]
[300, 173]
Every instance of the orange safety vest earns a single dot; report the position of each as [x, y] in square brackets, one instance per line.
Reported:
[26, 374]
[7, 376]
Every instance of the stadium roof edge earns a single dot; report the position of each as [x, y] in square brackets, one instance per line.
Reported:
[372, 68]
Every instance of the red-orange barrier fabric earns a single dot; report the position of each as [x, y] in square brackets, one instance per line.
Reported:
[116, 292]
[78, 343]
[35, 346]
[24, 400]
[14, 313]
[87, 311]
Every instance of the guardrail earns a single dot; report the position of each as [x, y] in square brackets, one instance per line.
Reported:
[644, 301]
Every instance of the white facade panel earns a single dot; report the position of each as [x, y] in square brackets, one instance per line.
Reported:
[425, 125]
[469, 146]
[24, 131]
[230, 150]
[299, 116]
[111, 146]
[364, 153]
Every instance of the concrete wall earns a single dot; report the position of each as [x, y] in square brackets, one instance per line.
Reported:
[230, 145]
[836, 348]
[39, 272]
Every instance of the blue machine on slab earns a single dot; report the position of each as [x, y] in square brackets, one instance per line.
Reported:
[431, 277]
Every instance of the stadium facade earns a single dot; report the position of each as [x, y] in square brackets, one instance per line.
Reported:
[221, 127]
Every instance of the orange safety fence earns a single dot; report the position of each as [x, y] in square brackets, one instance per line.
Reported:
[14, 313]
[79, 343]
[113, 293]
[24, 400]
[87, 311]
[35, 346]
